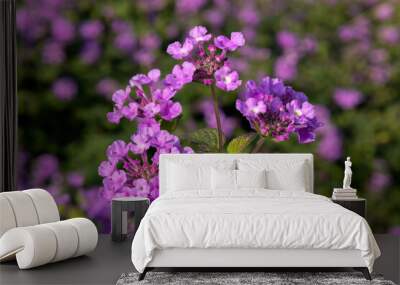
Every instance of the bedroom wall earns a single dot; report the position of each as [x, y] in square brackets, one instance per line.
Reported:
[343, 54]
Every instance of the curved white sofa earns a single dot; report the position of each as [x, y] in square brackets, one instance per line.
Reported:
[31, 230]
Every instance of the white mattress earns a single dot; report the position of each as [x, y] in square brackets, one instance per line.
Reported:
[253, 219]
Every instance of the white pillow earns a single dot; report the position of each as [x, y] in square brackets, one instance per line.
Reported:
[223, 179]
[281, 174]
[251, 178]
[184, 177]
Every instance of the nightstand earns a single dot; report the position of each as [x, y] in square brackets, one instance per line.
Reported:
[358, 205]
[121, 207]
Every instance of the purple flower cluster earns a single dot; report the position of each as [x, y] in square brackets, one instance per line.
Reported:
[208, 55]
[157, 102]
[347, 98]
[65, 88]
[46, 174]
[360, 37]
[131, 169]
[294, 48]
[276, 110]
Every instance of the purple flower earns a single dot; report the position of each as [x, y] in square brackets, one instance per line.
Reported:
[330, 146]
[389, 34]
[90, 52]
[150, 41]
[151, 5]
[287, 40]
[151, 109]
[117, 150]
[53, 53]
[137, 175]
[130, 111]
[45, 166]
[106, 168]
[179, 51]
[358, 30]
[347, 98]
[286, 67]
[64, 88]
[226, 79]
[75, 179]
[140, 143]
[170, 110]
[237, 40]
[379, 181]
[276, 110]
[143, 79]
[124, 41]
[106, 86]
[120, 96]
[142, 188]
[115, 181]
[205, 58]
[115, 116]
[97, 208]
[383, 11]
[189, 6]
[181, 75]
[59, 197]
[91, 30]
[214, 17]
[63, 30]
[199, 34]
[379, 74]
[249, 15]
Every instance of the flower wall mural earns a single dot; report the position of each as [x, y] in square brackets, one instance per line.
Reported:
[273, 109]
[82, 112]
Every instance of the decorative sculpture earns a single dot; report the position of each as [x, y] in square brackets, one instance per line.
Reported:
[347, 174]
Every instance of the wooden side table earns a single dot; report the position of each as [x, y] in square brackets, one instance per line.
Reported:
[358, 205]
[120, 208]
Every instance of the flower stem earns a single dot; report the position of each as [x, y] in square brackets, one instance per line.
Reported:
[259, 144]
[217, 117]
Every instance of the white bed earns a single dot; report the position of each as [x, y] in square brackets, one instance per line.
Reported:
[249, 227]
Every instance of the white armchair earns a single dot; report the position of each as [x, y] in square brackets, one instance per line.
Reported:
[31, 230]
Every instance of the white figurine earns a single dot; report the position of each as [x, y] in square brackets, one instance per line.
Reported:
[347, 174]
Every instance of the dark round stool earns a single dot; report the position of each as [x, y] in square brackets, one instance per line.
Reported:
[120, 208]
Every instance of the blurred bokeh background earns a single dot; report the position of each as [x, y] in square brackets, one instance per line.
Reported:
[345, 55]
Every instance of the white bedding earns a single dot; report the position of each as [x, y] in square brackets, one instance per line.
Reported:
[252, 218]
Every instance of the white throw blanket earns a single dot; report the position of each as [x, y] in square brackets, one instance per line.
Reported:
[250, 219]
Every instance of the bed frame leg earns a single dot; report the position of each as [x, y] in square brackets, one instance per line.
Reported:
[143, 274]
[364, 271]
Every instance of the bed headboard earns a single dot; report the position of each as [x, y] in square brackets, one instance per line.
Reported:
[200, 158]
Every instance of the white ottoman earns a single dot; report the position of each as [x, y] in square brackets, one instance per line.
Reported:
[31, 232]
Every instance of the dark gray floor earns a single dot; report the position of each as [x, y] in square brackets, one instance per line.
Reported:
[110, 260]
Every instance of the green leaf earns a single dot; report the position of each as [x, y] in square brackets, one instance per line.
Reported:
[204, 140]
[237, 145]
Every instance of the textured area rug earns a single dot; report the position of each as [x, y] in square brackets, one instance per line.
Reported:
[243, 278]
